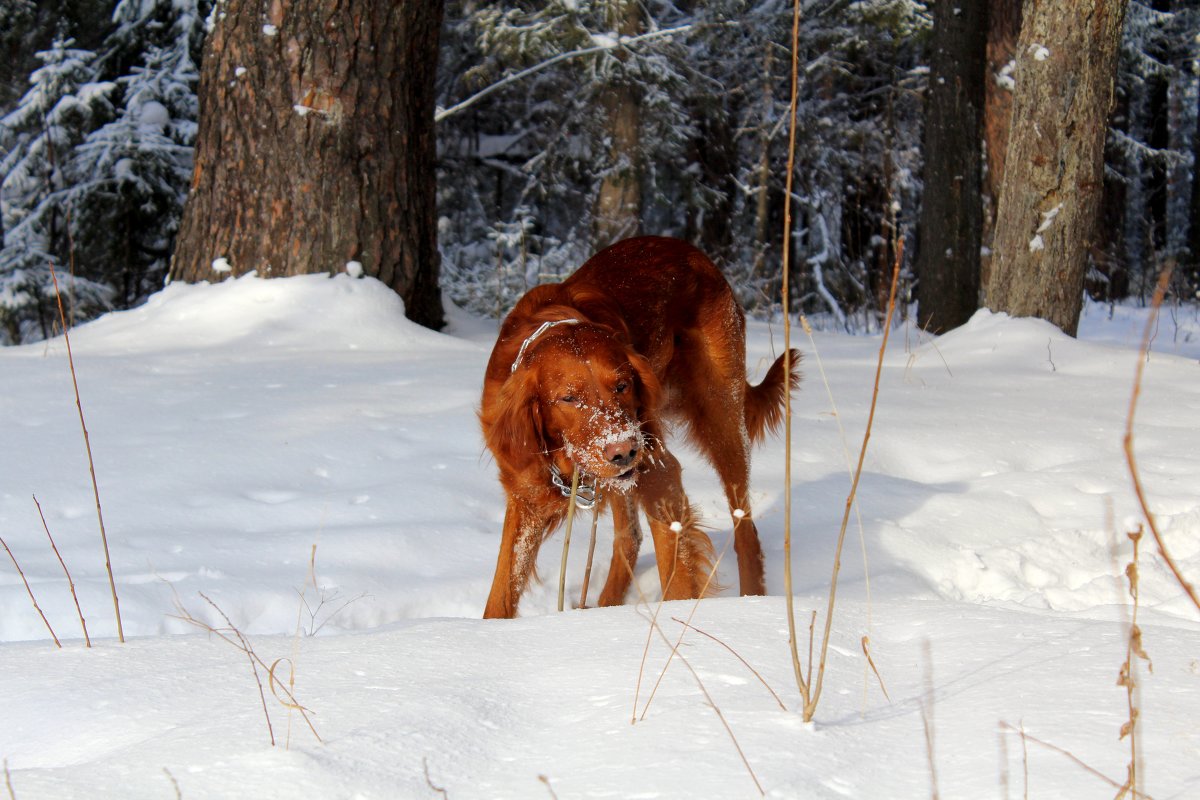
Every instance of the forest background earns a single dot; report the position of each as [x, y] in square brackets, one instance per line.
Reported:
[582, 123]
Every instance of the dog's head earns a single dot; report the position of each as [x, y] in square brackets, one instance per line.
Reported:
[578, 397]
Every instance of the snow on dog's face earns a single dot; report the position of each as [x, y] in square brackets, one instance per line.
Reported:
[594, 398]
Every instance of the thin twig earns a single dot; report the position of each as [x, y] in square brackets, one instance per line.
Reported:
[866, 648]
[927, 720]
[862, 537]
[253, 667]
[12, 795]
[174, 783]
[429, 781]
[1128, 675]
[811, 705]
[736, 655]
[655, 628]
[692, 613]
[546, 782]
[801, 684]
[626, 41]
[1026, 736]
[112, 584]
[36, 607]
[241, 643]
[70, 582]
[562, 567]
[587, 569]
[637, 689]
[1159, 292]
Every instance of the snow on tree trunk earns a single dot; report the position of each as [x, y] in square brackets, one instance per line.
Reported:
[316, 145]
[1050, 198]
[951, 222]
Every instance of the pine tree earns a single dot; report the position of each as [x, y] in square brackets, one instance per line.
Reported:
[62, 104]
[129, 178]
[98, 161]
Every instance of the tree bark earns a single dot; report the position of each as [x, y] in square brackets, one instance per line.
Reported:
[951, 222]
[316, 145]
[1193, 270]
[1004, 26]
[1051, 196]
[618, 213]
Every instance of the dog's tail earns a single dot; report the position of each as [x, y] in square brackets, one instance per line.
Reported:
[764, 403]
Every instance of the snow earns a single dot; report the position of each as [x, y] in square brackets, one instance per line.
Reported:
[237, 425]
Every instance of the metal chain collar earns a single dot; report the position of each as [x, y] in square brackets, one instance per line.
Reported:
[586, 495]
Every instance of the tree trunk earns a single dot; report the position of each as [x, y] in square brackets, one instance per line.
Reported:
[619, 201]
[951, 223]
[1004, 26]
[1194, 226]
[316, 145]
[1053, 180]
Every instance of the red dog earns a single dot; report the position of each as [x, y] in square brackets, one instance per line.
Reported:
[584, 374]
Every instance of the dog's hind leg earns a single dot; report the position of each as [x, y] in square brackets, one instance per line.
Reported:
[716, 419]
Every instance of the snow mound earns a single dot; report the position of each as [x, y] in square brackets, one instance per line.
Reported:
[304, 312]
[1021, 447]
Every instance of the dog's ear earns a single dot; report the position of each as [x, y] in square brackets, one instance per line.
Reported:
[649, 390]
[515, 431]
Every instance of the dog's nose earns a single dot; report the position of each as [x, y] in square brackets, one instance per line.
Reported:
[621, 453]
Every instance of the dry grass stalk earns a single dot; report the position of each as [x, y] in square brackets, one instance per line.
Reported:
[927, 720]
[233, 636]
[174, 784]
[787, 363]
[679, 640]
[810, 690]
[1160, 292]
[562, 568]
[655, 628]
[1028, 737]
[12, 795]
[429, 781]
[866, 648]
[811, 706]
[70, 582]
[587, 569]
[862, 538]
[112, 584]
[738, 656]
[33, 599]
[1128, 678]
[546, 782]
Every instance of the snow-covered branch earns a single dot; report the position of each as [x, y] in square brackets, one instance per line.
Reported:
[604, 43]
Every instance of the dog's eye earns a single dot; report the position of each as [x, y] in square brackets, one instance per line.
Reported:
[621, 387]
[569, 399]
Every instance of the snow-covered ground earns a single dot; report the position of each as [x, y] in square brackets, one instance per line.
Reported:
[237, 426]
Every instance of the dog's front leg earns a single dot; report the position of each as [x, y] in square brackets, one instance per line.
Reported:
[627, 540]
[684, 552]
[524, 530]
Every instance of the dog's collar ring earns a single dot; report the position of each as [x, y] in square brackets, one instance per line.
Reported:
[545, 326]
[586, 494]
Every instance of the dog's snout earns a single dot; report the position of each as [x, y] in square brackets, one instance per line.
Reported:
[622, 453]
